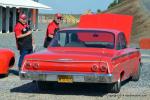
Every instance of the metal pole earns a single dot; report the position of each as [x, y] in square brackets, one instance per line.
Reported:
[7, 19]
[37, 19]
[1, 16]
[14, 17]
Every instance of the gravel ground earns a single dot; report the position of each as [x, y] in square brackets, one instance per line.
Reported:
[12, 88]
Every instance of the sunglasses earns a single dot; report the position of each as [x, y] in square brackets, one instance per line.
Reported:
[60, 18]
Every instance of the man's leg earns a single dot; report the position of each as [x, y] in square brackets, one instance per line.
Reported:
[30, 51]
[22, 54]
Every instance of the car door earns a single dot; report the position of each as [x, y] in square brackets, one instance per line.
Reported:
[123, 55]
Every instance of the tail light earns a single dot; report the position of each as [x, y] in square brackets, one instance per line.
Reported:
[35, 65]
[103, 67]
[95, 68]
[27, 65]
[31, 65]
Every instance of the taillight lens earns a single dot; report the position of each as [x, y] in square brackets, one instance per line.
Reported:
[35, 65]
[95, 68]
[31, 65]
[103, 67]
[27, 65]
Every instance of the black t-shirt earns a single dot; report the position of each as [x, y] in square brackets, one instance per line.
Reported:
[25, 42]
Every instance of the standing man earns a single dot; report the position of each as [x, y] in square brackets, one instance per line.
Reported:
[23, 38]
[52, 28]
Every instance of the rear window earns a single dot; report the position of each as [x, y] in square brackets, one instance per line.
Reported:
[80, 38]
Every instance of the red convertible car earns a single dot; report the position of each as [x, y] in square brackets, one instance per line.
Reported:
[7, 60]
[95, 52]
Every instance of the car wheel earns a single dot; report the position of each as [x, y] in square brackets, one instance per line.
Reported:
[44, 85]
[116, 86]
[136, 77]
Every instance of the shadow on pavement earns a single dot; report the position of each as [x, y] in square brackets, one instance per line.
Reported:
[14, 72]
[3, 76]
[11, 72]
[67, 89]
[64, 89]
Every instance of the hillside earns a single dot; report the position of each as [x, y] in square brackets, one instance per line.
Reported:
[140, 9]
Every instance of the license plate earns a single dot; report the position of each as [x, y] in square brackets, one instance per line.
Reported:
[65, 79]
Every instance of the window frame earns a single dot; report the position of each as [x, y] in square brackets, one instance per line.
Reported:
[69, 31]
[120, 41]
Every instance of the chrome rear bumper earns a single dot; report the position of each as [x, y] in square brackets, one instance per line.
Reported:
[77, 77]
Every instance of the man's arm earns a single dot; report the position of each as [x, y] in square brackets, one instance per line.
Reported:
[24, 35]
[50, 35]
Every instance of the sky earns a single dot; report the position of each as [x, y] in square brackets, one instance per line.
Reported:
[74, 6]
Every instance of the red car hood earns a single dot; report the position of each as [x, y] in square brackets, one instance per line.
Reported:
[73, 54]
[118, 22]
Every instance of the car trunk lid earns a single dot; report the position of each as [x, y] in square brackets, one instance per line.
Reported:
[67, 59]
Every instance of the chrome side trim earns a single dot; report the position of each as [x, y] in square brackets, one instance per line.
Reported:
[120, 56]
[63, 60]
